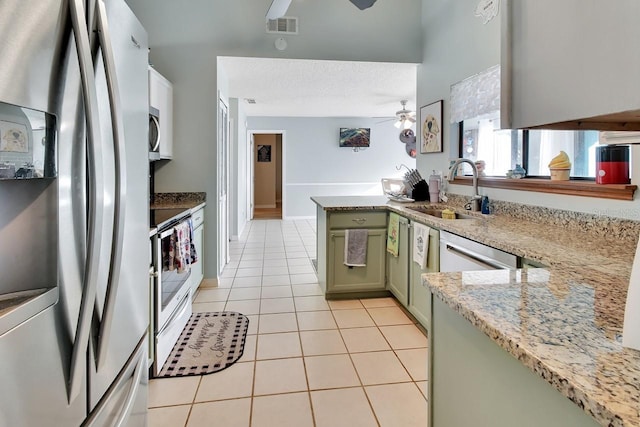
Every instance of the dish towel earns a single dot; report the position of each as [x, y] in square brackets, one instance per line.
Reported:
[183, 246]
[355, 248]
[420, 244]
[393, 233]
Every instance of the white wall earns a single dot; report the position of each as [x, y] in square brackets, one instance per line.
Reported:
[187, 37]
[315, 164]
[458, 45]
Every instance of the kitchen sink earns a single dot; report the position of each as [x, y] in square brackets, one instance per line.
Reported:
[438, 212]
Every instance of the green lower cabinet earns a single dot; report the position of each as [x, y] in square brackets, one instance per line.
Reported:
[474, 382]
[419, 296]
[343, 279]
[398, 266]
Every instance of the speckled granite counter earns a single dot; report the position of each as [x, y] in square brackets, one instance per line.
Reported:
[177, 200]
[563, 322]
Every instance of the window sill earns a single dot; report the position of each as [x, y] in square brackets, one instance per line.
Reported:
[573, 188]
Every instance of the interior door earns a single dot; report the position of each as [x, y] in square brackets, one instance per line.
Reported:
[223, 184]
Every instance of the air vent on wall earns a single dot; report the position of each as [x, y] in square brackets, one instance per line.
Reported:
[284, 25]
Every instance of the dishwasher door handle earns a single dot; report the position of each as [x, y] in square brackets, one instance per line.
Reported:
[477, 258]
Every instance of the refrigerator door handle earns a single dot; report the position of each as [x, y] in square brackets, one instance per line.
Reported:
[117, 128]
[95, 215]
[133, 391]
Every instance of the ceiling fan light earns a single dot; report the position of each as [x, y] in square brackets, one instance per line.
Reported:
[398, 124]
[407, 124]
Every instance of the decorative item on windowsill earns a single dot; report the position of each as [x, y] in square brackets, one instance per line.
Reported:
[560, 166]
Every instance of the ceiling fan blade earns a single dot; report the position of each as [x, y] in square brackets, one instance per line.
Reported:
[363, 4]
[277, 9]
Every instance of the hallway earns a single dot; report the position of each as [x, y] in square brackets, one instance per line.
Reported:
[307, 361]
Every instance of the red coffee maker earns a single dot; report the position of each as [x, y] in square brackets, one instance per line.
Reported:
[612, 164]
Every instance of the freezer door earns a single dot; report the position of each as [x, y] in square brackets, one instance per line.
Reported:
[122, 308]
[125, 403]
[34, 369]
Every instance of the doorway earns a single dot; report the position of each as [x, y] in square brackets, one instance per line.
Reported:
[267, 174]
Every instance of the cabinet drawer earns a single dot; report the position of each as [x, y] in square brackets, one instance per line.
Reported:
[197, 218]
[363, 219]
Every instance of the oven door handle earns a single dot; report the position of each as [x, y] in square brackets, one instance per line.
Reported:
[167, 233]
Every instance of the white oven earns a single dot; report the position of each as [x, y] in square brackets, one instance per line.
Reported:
[172, 299]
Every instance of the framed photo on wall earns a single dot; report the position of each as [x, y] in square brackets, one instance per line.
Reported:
[431, 128]
[264, 153]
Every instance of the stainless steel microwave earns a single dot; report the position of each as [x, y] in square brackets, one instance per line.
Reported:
[154, 134]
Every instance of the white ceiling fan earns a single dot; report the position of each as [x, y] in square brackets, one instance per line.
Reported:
[405, 118]
[279, 8]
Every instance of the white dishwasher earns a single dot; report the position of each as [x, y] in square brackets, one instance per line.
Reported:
[461, 254]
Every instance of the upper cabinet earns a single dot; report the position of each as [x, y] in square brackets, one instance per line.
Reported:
[161, 98]
[572, 64]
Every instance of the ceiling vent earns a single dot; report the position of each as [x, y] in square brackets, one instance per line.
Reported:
[284, 25]
[250, 100]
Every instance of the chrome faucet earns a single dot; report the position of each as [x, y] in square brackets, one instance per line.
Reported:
[475, 199]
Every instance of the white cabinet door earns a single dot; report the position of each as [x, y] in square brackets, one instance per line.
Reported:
[197, 269]
[161, 98]
[574, 59]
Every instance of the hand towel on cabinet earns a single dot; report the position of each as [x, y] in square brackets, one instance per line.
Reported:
[355, 248]
[420, 244]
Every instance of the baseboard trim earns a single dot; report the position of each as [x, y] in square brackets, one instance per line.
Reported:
[294, 218]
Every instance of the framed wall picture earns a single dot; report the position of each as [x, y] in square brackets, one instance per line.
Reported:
[264, 153]
[431, 128]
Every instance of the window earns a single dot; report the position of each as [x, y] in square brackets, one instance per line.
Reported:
[481, 139]
[580, 146]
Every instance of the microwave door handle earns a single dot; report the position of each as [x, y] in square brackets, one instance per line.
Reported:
[158, 134]
[95, 215]
[117, 129]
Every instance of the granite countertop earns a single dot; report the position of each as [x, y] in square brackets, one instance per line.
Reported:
[185, 200]
[563, 322]
[351, 203]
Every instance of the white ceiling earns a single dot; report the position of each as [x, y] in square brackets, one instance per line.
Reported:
[312, 88]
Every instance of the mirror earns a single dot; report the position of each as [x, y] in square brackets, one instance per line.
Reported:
[27, 143]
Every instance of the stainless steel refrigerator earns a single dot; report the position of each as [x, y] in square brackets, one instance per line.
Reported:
[74, 221]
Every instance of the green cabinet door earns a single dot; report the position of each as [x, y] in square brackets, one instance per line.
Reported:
[419, 296]
[474, 382]
[398, 266]
[341, 278]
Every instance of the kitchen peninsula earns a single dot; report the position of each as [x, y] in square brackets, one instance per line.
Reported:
[538, 346]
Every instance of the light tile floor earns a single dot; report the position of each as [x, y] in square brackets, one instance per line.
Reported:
[307, 361]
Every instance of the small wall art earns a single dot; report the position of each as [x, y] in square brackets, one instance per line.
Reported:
[355, 137]
[13, 137]
[431, 128]
[264, 153]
